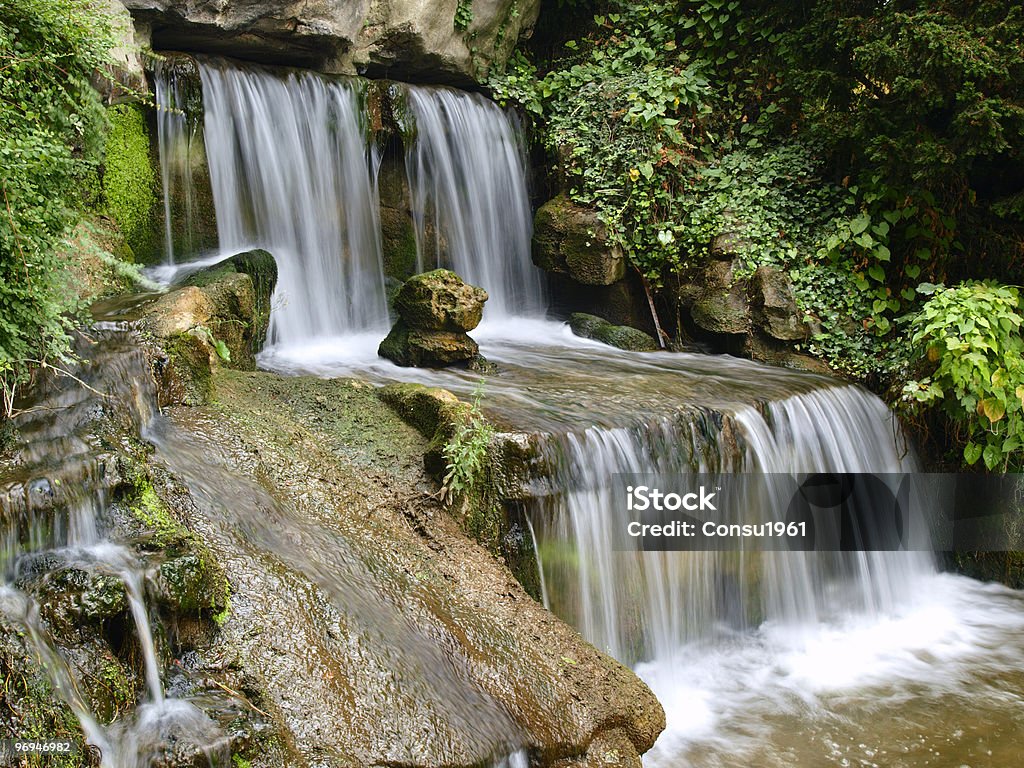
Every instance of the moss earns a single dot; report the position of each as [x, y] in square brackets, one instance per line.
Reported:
[398, 244]
[624, 337]
[188, 372]
[154, 516]
[29, 706]
[240, 762]
[129, 184]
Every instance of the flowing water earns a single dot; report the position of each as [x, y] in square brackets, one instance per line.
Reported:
[467, 178]
[292, 172]
[54, 512]
[177, 131]
[772, 658]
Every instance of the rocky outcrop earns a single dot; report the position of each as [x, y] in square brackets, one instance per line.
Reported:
[621, 336]
[216, 316]
[126, 74]
[569, 239]
[450, 41]
[434, 310]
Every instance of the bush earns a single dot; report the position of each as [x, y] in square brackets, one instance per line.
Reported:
[52, 126]
[969, 338]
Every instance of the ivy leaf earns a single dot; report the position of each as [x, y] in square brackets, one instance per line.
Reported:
[993, 456]
[912, 271]
[993, 409]
[860, 223]
[877, 273]
[972, 452]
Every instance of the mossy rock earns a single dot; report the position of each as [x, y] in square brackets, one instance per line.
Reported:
[184, 372]
[427, 349]
[586, 325]
[129, 181]
[621, 336]
[439, 300]
[624, 337]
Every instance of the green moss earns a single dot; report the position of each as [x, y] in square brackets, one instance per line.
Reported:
[129, 184]
[398, 245]
[155, 516]
[240, 762]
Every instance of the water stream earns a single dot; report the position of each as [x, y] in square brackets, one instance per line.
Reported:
[54, 513]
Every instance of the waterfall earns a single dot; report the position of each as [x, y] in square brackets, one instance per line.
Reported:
[467, 179]
[640, 606]
[292, 172]
[55, 516]
[176, 140]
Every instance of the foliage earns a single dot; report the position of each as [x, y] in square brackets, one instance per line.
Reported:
[51, 136]
[969, 336]
[128, 180]
[465, 454]
[463, 15]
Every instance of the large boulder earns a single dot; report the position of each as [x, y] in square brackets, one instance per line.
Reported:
[434, 310]
[571, 240]
[719, 303]
[449, 41]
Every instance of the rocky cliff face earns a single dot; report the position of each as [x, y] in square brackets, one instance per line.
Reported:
[448, 41]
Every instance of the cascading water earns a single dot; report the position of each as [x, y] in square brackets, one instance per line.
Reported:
[292, 172]
[639, 606]
[176, 139]
[55, 518]
[467, 177]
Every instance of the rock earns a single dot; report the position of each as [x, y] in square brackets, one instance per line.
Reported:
[571, 240]
[775, 310]
[427, 349]
[624, 337]
[125, 70]
[440, 301]
[621, 336]
[451, 41]
[720, 304]
[232, 303]
[434, 311]
[179, 311]
[585, 325]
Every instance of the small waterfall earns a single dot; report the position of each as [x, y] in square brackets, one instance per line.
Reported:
[292, 172]
[177, 130]
[467, 177]
[642, 606]
[54, 516]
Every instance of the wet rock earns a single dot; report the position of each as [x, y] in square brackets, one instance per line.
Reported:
[183, 370]
[434, 310]
[440, 301]
[72, 597]
[427, 349]
[572, 240]
[621, 336]
[437, 42]
[125, 70]
[191, 584]
[775, 310]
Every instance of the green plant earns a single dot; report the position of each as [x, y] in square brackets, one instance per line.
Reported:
[52, 125]
[466, 452]
[128, 179]
[463, 15]
[969, 337]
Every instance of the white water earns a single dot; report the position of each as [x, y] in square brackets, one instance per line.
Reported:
[467, 179]
[292, 172]
[56, 514]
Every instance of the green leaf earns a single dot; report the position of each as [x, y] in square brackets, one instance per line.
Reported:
[993, 409]
[877, 273]
[860, 223]
[993, 456]
[972, 452]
